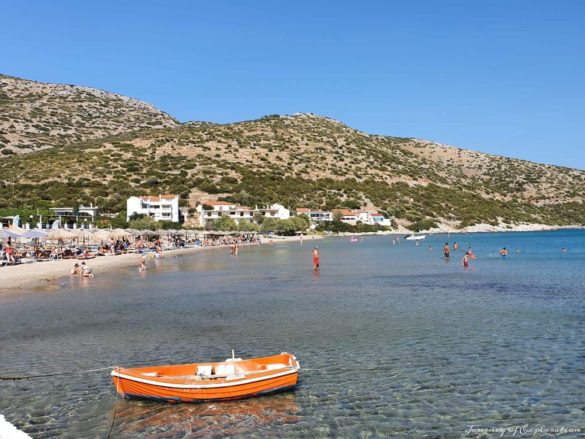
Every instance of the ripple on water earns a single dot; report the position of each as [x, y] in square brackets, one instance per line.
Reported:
[394, 342]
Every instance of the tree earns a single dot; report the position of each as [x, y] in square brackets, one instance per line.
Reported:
[258, 218]
[135, 216]
[146, 223]
[301, 222]
[247, 226]
[225, 224]
[269, 225]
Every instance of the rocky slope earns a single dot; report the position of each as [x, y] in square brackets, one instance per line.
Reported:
[299, 160]
[35, 115]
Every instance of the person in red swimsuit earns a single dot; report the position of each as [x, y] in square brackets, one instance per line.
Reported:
[316, 258]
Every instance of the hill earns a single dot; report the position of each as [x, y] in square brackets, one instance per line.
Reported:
[35, 115]
[298, 160]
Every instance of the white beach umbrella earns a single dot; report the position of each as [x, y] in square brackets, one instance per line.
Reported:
[5, 233]
[34, 233]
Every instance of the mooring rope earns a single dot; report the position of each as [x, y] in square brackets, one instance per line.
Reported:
[30, 377]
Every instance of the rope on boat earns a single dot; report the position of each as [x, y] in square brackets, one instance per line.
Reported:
[30, 377]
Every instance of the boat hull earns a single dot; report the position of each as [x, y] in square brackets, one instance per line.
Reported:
[179, 384]
[131, 389]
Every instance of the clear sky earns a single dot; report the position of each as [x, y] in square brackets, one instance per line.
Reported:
[499, 76]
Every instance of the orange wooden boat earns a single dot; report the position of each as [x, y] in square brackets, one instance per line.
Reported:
[233, 378]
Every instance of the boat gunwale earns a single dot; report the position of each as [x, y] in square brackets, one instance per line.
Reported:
[233, 383]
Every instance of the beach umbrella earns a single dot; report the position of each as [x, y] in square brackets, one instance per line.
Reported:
[102, 234]
[84, 233]
[4, 233]
[61, 234]
[120, 233]
[34, 233]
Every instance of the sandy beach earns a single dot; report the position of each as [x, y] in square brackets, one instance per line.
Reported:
[43, 275]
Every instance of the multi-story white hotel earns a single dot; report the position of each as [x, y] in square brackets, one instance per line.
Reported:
[210, 211]
[159, 208]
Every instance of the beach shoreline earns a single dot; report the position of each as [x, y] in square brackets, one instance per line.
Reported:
[45, 276]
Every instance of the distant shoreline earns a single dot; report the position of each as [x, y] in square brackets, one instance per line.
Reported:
[487, 228]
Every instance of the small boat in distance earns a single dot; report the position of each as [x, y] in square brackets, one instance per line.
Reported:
[353, 239]
[415, 237]
[233, 378]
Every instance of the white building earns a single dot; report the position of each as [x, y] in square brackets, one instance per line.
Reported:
[275, 211]
[371, 218]
[347, 216]
[378, 218]
[315, 215]
[159, 208]
[211, 210]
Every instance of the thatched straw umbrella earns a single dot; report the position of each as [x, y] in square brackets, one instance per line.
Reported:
[60, 234]
[120, 233]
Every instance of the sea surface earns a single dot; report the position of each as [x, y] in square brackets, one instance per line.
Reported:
[394, 340]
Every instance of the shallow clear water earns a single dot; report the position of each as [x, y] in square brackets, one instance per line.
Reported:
[395, 341]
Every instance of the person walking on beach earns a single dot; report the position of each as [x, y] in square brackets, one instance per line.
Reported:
[446, 251]
[316, 258]
[9, 252]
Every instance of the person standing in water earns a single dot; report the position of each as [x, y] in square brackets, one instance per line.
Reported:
[504, 253]
[142, 266]
[465, 261]
[455, 247]
[446, 251]
[316, 258]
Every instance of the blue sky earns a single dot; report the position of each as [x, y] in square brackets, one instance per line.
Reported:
[505, 77]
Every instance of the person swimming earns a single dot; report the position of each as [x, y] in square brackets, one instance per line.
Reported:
[504, 253]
